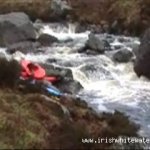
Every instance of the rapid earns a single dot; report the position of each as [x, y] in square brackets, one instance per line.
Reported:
[108, 86]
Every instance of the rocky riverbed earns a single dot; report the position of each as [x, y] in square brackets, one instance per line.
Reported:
[97, 73]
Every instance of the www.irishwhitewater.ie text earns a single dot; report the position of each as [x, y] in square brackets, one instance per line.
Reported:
[119, 140]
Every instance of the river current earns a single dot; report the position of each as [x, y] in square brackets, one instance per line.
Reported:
[108, 85]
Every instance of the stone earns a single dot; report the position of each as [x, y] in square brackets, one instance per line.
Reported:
[15, 27]
[96, 44]
[24, 47]
[142, 61]
[66, 82]
[122, 56]
[46, 39]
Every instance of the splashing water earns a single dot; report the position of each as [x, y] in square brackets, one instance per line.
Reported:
[64, 34]
[107, 85]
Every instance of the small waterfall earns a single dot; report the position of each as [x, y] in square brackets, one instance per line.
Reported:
[65, 33]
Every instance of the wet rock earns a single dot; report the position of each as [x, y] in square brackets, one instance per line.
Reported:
[58, 71]
[96, 72]
[66, 83]
[60, 9]
[142, 63]
[69, 86]
[80, 28]
[95, 44]
[15, 27]
[46, 39]
[122, 56]
[24, 47]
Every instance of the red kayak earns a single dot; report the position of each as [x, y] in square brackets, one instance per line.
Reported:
[30, 69]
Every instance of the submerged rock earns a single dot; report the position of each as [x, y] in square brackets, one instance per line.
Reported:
[142, 62]
[123, 56]
[46, 39]
[15, 27]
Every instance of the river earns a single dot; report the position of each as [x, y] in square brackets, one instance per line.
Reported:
[108, 85]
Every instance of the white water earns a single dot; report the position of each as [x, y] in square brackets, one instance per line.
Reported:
[107, 86]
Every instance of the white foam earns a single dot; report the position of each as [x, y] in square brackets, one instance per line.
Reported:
[63, 36]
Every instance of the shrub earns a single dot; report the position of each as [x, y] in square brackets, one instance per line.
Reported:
[9, 72]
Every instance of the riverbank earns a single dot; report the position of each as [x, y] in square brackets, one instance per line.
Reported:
[31, 119]
[35, 121]
[128, 17]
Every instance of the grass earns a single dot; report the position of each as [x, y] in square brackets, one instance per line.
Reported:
[32, 122]
[36, 121]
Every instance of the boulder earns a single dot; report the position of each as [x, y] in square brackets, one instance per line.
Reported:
[24, 47]
[142, 62]
[46, 39]
[95, 44]
[60, 9]
[66, 83]
[122, 56]
[15, 27]
[69, 86]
